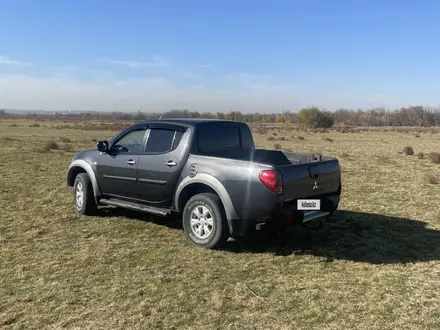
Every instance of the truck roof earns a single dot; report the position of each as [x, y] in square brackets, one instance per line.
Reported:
[190, 121]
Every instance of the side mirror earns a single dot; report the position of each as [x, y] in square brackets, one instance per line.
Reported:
[102, 146]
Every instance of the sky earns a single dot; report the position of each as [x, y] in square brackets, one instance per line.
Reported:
[209, 56]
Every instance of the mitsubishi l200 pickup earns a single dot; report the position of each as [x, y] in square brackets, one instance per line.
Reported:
[210, 172]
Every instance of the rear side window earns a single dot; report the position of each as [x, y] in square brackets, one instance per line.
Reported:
[232, 141]
[214, 139]
[247, 141]
[162, 140]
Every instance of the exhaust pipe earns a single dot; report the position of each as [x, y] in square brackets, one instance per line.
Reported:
[258, 226]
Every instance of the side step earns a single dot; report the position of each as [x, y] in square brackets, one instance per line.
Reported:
[136, 207]
[313, 215]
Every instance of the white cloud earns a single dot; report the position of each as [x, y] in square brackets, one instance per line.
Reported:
[250, 81]
[70, 72]
[67, 68]
[156, 61]
[76, 88]
[189, 75]
[6, 60]
[150, 95]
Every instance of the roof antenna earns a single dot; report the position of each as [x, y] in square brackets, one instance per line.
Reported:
[161, 116]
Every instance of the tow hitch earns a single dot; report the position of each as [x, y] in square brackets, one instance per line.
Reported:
[314, 215]
[314, 219]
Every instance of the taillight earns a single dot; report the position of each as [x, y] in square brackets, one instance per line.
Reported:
[272, 180]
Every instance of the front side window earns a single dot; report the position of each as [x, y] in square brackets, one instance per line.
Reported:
[130, 143]
[162, 140]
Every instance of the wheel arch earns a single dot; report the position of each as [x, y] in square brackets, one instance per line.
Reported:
[81, 166]
[203, 182]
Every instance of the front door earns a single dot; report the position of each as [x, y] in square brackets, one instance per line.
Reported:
[161, 163]
[117, 169]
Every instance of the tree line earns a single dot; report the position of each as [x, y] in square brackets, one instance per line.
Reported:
[309, 117]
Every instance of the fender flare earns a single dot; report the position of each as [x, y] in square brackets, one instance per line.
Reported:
[88, 168]
[215, 185]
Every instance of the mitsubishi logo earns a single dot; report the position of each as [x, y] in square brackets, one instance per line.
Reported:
[315, 186]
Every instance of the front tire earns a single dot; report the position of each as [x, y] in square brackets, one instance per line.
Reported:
[84, 198]
[204, 221]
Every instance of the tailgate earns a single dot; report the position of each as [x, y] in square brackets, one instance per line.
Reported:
[306, 180]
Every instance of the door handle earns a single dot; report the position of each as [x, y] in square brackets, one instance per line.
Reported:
[171, 163]
[131, 162]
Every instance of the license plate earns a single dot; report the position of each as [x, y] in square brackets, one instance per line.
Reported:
[309, 204]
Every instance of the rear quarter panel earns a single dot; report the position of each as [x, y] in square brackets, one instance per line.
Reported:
[250, 198]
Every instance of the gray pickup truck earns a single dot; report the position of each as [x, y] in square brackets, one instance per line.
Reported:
[210, 172]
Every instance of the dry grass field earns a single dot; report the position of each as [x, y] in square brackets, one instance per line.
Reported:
[375, 265]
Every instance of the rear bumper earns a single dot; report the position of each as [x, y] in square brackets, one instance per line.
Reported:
[329, 203]
[287, 213]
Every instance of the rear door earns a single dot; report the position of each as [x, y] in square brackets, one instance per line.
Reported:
[117, 169]
[161, 162]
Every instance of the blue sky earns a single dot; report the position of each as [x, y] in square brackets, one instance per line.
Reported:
[218, 55]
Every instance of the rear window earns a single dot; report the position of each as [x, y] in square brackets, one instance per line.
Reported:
[215, 140]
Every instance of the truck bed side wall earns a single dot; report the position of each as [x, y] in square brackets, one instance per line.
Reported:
[241, 182]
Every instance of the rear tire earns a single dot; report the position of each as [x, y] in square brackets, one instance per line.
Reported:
[204, 221]
[84, 198]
